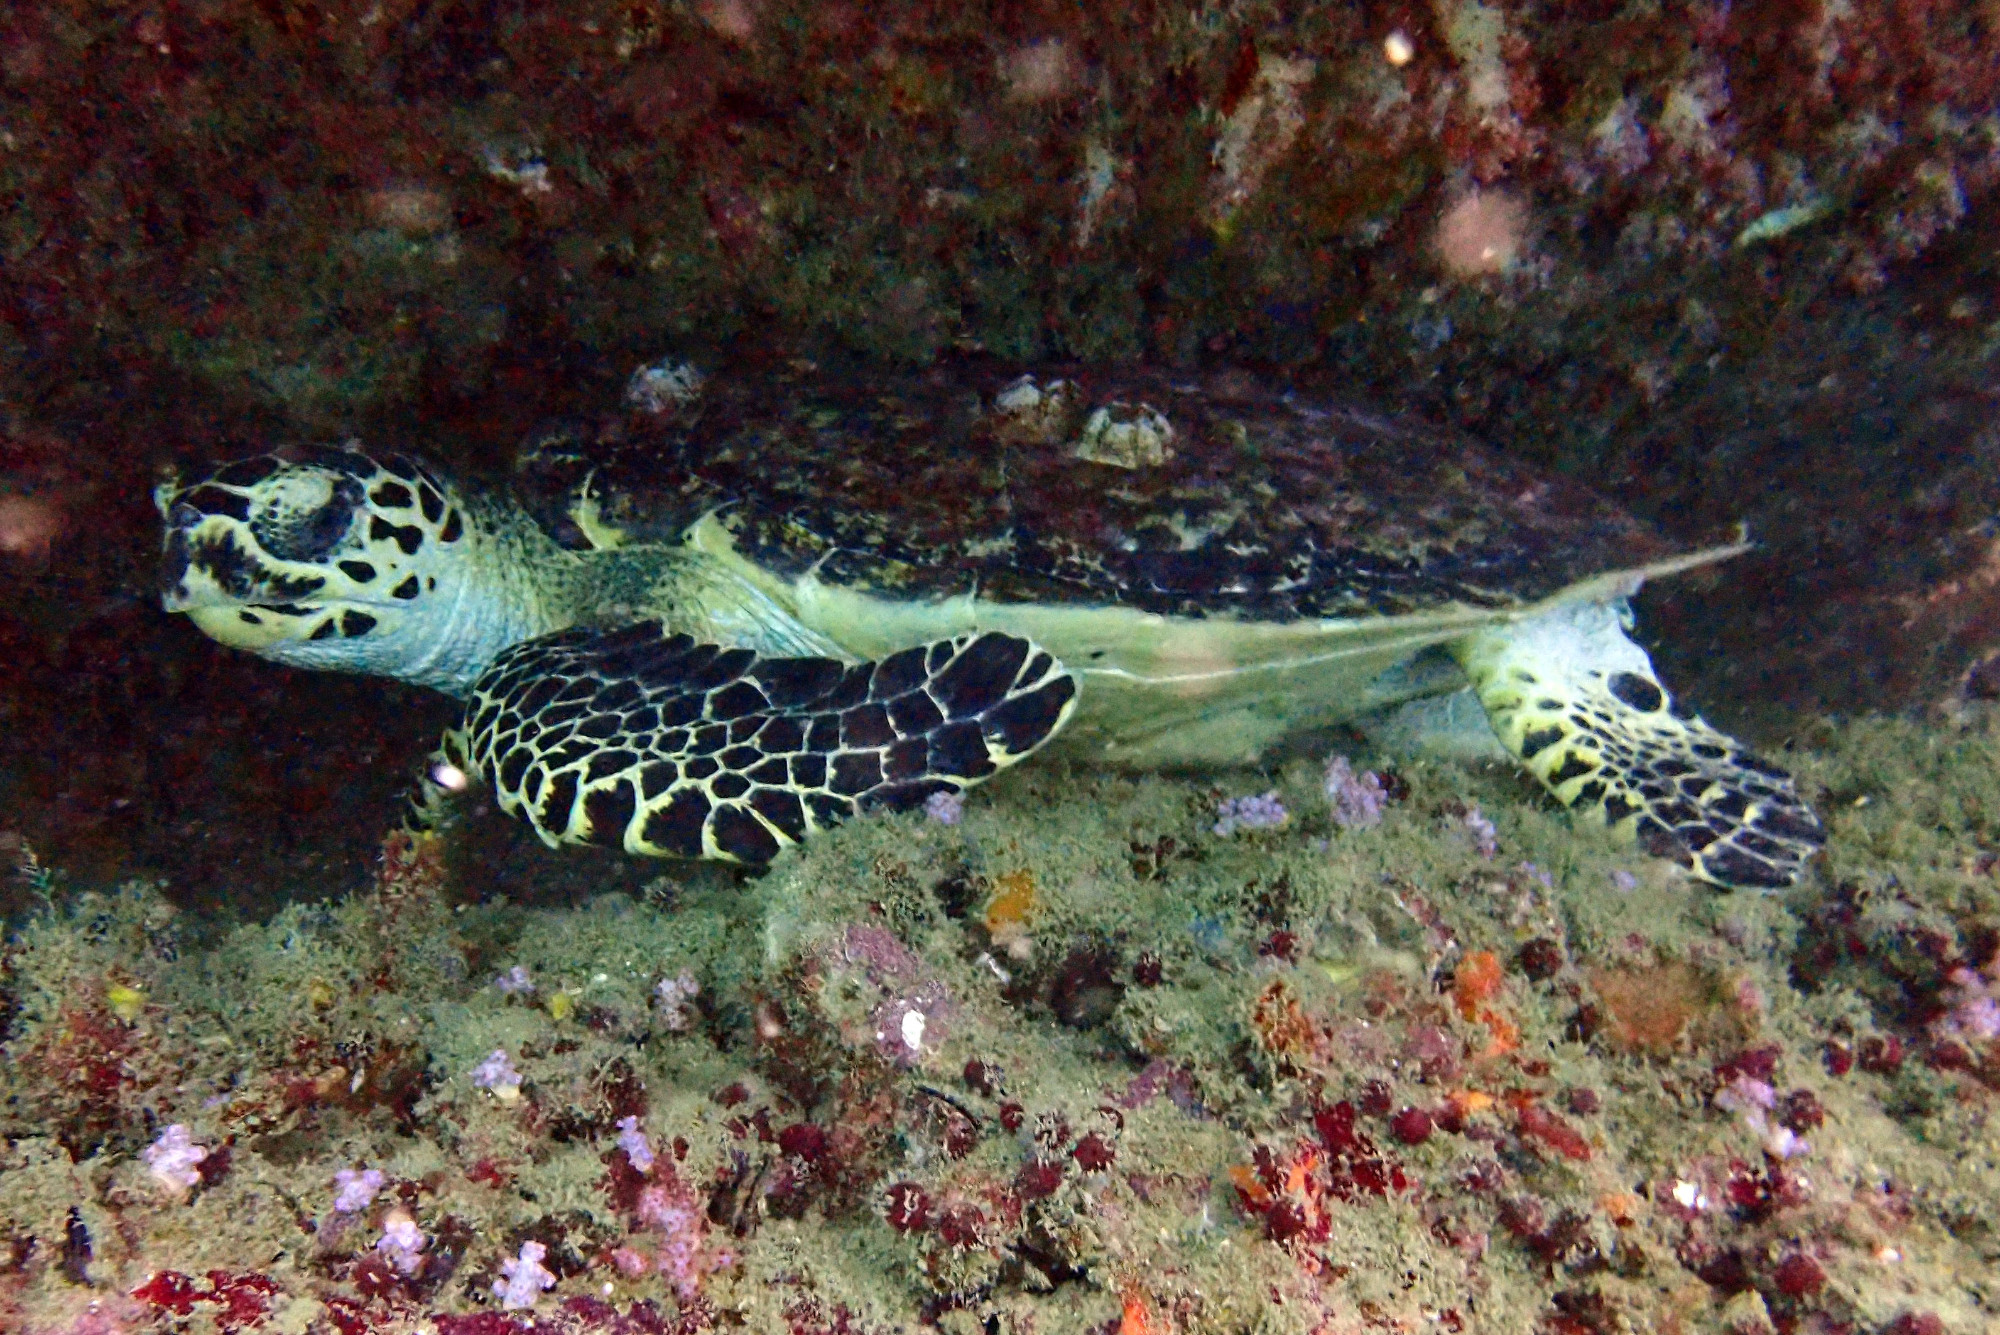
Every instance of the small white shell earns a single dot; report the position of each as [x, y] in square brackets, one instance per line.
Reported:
[1126, 435]
[1032, 413]
[664, 387]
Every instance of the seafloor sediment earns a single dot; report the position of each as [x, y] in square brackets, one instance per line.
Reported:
[1077, 1062]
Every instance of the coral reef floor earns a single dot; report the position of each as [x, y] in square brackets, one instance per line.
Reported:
[1078, 1061]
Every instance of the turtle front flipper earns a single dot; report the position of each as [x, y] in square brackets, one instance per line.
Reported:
[1578, 703]
[431, 805]
[647, 741]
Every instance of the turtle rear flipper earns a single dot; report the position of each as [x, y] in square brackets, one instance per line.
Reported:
[1578, 703]
[647, 741]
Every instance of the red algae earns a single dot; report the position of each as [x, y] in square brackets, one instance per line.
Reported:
[1540, 1124]
[907, 1208]
[1799, 1276]
[1412, 1126]
[1094, 1154]
[233, 1301]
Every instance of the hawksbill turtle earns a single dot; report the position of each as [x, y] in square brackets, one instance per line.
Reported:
[741, 609]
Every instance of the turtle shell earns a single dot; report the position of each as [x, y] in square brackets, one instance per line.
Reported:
[1182, 494]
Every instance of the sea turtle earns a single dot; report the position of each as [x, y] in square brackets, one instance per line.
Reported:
[751, 605]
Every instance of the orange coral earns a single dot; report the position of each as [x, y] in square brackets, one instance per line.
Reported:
[1621, 1206]
[1298, 1179]
[1245, 1179]
[1137, 1318]
[1469, 1102]
[1281, 1023]
[1648, 1009]
[1012, 902]
[1506, 1034]
[1478, 980]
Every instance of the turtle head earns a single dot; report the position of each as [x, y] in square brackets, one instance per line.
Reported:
[338, 560]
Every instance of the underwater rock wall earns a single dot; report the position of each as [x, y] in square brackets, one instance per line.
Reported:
[1728, 263]
[330, 203]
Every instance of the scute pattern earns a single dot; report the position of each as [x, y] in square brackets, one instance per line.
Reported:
[647, 741]
[1270, 506]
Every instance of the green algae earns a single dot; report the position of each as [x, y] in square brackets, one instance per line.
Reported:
[1289, 969]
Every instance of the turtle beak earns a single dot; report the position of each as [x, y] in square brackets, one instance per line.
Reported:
[166, 492]
[176, 557]
[210, 561]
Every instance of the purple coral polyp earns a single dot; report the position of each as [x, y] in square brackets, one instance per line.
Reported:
[524, 1278]
[496, 1072]
[1264, 812]
[355, 1188]
[174, 1159]
[1356, 799]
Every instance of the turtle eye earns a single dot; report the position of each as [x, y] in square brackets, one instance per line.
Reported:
[311, 533]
